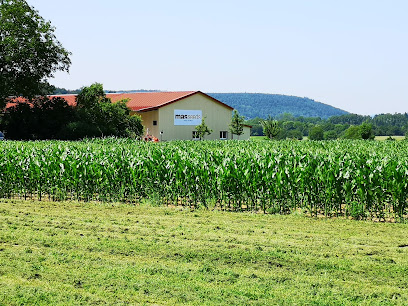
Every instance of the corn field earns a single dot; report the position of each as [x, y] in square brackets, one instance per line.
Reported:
[340, 178]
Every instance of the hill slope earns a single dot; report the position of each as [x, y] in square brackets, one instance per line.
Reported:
[251, 105]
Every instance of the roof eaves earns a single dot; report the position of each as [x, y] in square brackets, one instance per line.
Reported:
[147, 109]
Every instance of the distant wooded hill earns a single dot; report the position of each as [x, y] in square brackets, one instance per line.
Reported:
[252, 105]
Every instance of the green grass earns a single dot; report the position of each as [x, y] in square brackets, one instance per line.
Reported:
[257, 138]
[76, 253]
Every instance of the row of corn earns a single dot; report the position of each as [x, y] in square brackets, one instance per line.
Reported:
[352, 178]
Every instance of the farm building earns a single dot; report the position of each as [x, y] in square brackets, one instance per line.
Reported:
[174, 115]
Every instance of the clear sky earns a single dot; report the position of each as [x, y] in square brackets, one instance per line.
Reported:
[349, 54]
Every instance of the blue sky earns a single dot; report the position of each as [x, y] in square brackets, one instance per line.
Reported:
[349, 54]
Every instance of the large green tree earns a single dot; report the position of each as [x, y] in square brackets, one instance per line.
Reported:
[366, 131]
[316, 133]
[98, 116]
[353, 132]
[30, 54]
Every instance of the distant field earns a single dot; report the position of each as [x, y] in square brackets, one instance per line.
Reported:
[258, 138]
[74, 253]
[385, 137]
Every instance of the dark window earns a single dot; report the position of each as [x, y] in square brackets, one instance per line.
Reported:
[195, 135]
[154, 122]
[223, 134]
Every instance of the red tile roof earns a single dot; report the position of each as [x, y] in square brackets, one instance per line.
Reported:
[145, 101]
[148, 100]
[142, 101]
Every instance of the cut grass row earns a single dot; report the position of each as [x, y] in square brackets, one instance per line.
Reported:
[87, 253]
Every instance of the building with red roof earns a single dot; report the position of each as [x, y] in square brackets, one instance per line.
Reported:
[174, 115]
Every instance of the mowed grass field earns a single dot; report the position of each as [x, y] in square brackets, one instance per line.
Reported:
[63, 253]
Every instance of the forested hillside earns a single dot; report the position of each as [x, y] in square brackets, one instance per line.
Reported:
[252, 105]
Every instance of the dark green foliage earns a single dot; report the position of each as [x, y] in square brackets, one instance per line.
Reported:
[257, 129]
[353, 132]
[44, 118]
[90, 97]
[316, 133]
[335, 127]
[29, 52]
[363, 131]
[330, 135]
[97, 116]
[382, 124]
[366, 131]
[252, 105]
[289, 134]
[350, 119]
[390, 124]
[237, 124]
[94, 116]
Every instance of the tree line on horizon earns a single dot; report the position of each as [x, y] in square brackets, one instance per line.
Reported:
[345, 126]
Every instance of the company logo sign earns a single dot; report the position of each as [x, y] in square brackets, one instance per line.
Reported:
[187, 117]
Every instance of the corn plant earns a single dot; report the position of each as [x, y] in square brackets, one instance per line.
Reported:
[334, 178]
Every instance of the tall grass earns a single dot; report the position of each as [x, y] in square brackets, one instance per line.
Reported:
[353, 178]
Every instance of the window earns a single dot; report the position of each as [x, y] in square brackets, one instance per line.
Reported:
[195, 135]
[154, 122]
[223, 134]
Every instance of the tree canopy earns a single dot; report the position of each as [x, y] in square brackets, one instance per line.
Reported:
[97, 116]
[29, 52]
[316, 133]
[237, 124]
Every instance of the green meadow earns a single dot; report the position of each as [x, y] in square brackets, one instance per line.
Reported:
[75, 253]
